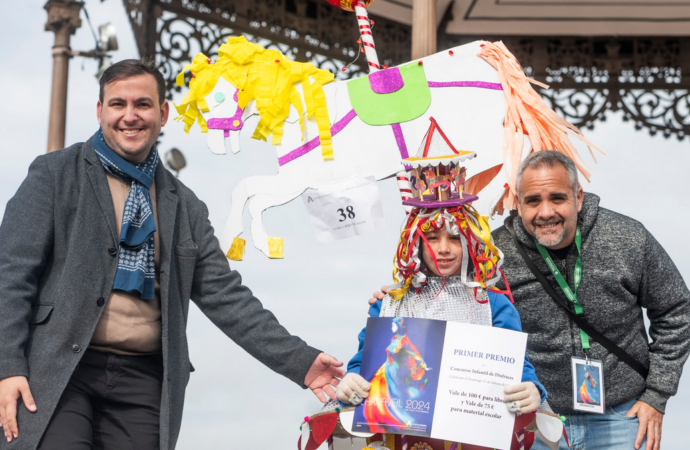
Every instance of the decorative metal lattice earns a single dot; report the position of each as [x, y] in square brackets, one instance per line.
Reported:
[589, 77]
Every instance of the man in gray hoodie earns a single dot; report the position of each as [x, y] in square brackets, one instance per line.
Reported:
[623, 270]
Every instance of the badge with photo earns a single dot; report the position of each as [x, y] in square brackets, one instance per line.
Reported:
[588, 385]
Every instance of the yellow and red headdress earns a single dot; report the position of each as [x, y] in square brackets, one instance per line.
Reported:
[438, 200]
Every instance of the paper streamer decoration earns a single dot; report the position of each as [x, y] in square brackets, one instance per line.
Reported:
[264, 76]
[526, 113]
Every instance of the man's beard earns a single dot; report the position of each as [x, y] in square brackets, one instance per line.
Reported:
[550, 240]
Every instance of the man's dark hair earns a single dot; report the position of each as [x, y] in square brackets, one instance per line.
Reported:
[130, 68]
[549, 158]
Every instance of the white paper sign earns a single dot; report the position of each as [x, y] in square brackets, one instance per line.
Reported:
[345, 210]
[440, 379]
[477, 363]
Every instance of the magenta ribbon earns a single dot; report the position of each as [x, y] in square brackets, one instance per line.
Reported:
[397, 130]
[400, 140]
[311, 145]
[478, 84]
[226, 123]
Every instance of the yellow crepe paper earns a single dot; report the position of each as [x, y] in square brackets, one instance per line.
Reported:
[275, 247]
[236, 251]
[265, 76]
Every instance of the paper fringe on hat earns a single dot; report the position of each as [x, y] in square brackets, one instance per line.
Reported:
[478, 248]
[267, 77]
[526, 113]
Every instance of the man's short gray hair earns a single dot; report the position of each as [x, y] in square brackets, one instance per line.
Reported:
[549, 158]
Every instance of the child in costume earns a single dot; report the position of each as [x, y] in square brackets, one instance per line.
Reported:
[446, 268]
[433, 256]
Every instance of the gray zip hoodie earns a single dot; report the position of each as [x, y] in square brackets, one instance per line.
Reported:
[624, 270]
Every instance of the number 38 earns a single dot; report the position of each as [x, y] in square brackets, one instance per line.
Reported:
[347, 213]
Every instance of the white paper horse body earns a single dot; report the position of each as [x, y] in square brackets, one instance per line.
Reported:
[471, 117]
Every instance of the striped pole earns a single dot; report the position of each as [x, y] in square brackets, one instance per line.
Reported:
[367, 37]
[373, 60]
[405, 188]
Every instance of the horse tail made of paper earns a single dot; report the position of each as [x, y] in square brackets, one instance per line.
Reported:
[526, 113]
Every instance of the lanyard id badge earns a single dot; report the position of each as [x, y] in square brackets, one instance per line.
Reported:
[588, 385]
[570, 294]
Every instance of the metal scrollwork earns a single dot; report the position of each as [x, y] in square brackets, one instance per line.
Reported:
[180, 38]
[660, 111]
[588, 76]
[581, 108]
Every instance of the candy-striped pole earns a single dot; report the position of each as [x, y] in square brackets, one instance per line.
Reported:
[367, 37]
[373, 60]
[405, 188]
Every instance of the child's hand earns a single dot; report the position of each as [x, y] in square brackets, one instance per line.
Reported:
[353, 389]
[522, 398]
[378, 295]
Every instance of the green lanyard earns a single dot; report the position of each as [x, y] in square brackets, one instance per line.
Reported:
[570, 295]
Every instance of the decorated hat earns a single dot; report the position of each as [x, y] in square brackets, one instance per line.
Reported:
[439, 201]
[438, 176]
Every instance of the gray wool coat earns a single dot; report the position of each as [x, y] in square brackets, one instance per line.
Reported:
[624, 269]
[57, 242]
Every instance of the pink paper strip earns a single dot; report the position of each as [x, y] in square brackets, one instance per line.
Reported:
[400, 140]
[226, 123]
[478, 84]
[311, 145]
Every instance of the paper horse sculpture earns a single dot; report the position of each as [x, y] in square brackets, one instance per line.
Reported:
[326, 131]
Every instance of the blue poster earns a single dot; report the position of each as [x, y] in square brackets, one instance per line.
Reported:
[402, 360]
[589, 382]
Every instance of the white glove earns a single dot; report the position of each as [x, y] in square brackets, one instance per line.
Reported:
[353, 389]
[522, 398]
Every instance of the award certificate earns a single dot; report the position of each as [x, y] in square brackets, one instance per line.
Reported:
[439, 379]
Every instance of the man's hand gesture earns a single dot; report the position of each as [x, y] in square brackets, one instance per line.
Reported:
[323, 375]
[11, 389]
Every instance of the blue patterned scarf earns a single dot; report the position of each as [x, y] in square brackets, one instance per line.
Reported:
[136, 267]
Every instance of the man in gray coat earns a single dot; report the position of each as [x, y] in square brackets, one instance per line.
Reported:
[101, 249]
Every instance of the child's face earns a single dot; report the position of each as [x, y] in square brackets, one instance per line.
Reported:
[448, 251]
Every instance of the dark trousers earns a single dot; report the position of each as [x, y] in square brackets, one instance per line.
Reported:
[111, 402]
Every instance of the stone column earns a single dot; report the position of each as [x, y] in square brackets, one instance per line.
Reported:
[423, 28]
[63, 20]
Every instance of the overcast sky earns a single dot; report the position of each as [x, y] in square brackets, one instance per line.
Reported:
[318, 292]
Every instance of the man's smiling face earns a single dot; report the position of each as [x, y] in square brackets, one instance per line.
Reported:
[131, 116]
[548, 206]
